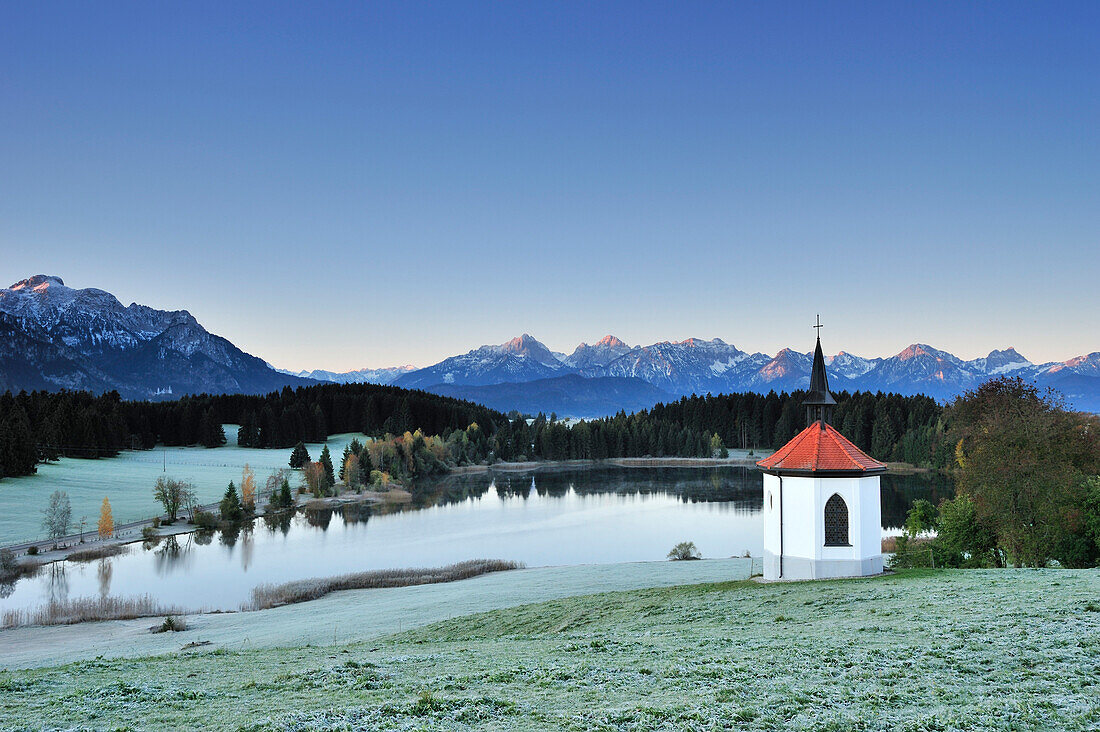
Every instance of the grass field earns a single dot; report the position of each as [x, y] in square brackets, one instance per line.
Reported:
[1008, 649]
[127, 480]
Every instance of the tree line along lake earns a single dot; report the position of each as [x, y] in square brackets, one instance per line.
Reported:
[543, 517]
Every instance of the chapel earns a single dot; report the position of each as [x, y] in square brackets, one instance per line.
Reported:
[822, 513]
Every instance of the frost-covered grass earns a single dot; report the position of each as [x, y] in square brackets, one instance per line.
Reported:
[1008, 649]
[128, 481]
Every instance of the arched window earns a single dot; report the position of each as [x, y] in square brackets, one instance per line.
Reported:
[836, 521]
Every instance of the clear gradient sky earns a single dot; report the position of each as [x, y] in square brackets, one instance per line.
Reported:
[365, 184]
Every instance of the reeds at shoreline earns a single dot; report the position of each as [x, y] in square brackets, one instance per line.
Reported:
[268, 596]
[87, 609]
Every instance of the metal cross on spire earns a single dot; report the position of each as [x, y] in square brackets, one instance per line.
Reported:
[818, 326]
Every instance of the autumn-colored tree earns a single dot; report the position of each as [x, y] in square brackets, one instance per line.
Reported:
[106, 524]
[248, 489]
[313, 476]
[351, 470]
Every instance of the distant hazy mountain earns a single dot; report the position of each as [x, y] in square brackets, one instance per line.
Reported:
[520, 359]
[362, 376]
[701, 366]
[602, 353]
[570, 395]
[58, 337]
[54, 337]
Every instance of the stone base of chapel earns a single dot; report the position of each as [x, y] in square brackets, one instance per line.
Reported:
[801, 568]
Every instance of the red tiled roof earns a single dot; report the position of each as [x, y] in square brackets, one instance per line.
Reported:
[820, 447]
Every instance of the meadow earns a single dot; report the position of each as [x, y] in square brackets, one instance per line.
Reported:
[921, 650]
[127, 480]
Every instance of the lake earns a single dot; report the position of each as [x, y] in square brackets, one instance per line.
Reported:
[542, 518]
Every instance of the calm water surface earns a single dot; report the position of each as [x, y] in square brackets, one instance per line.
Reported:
[549, 517]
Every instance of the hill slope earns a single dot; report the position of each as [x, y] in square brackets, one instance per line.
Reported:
[987, 650]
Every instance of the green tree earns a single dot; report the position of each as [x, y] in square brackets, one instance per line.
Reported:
[326, 463]
[299, 457]
[1022, 458]
[230, 505]
[286, 500]
[961, 539]
[211, 433]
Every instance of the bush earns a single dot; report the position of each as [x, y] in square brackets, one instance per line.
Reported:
[156, 522]
[171, 624]
[683, 551]
[32, 551]
[206, 520]
[148, 532]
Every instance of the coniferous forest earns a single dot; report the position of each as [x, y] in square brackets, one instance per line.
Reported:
[40, 426]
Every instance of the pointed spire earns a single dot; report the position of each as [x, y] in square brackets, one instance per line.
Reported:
[819, 402]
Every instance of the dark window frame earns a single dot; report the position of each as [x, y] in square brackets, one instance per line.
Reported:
[837, 527]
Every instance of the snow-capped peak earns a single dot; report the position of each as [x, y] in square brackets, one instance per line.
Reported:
[38, 282]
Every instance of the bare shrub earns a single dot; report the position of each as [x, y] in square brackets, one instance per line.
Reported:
[98, 552]
[268, 596]
[85, 609]
[683, 551]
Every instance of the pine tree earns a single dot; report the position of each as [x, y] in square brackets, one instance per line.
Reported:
[326, 463]
[299, 458]
[211, 433]
[230, 505]
[344, 463]
[286, 500]
[106, 525]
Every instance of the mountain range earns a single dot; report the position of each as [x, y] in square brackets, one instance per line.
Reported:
[54, 337]
[696, 366]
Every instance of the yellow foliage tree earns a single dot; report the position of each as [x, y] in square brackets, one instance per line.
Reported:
[106, 520]
[248, 489]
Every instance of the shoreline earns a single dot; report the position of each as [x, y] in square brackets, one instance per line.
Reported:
[624, 462]
[394, 609]
[129, 532]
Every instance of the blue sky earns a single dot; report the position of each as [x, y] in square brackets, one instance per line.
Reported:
[348, 185]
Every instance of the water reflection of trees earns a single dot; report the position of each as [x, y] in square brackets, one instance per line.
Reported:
[57, 582]
[740, 486]
[279, 522]
[103, 573]
[899, 492]
[229, 535]
[170, 555]
[318, 517]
